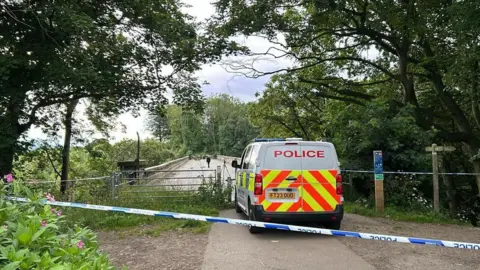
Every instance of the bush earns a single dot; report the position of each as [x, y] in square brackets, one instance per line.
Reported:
[35, 236]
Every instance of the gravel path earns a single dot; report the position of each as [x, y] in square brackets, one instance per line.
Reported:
[385, 255]
[171, 250]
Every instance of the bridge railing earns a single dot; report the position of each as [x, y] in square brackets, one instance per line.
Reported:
[172, 164]
[228, 159]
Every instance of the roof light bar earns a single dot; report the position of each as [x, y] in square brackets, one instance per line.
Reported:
[276, 139]
[268, 139]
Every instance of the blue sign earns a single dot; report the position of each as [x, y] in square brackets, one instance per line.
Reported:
[378, 162]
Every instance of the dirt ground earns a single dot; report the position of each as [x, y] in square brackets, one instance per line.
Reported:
[385, 255]
[185, 250]
[169, 250]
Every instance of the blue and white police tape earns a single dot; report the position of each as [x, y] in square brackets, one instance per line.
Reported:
[370, 236]
[412, 173]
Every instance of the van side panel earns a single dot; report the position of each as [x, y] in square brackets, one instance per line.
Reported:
[251, 182]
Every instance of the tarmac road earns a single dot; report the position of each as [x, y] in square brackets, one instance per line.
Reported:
[233, 247]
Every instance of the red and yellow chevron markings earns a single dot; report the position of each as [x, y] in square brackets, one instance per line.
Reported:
[316, 189]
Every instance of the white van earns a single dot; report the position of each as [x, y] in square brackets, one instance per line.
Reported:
[289, 180]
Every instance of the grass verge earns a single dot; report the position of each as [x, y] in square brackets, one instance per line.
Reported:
[205, 202]
[101, 220]
[401, 215]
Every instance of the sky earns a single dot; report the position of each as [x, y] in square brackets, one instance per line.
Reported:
[220, 81]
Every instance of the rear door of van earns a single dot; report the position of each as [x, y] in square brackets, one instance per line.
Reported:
[319, 177]
[282, 178]
[299, 177]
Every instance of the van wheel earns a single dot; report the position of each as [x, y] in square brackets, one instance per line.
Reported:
[238, 210]
[251, 217]
[333, 225]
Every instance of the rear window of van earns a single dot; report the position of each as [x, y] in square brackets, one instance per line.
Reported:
[306, 156]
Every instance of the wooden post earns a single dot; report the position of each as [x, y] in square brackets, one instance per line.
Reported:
[436, 203]
[435, 149]
[378, 174]
[229, 188]
[379, 197]
[219, 178]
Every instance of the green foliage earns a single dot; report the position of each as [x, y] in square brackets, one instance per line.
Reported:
[401, 53]
[186, 129]
[98, 158]
[372, 75]
[362, 208]
[35, 236]
[100, 220]
[227, 125]
[223, 127]
[113, 53]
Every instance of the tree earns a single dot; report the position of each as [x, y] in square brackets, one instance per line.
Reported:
[112, 52]
[222, 127]
[186, 129]
[227, 125]
[157, 123]
[66, 144]
[287, 108]
[421, 48]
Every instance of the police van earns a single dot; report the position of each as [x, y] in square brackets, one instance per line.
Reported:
[289, 180]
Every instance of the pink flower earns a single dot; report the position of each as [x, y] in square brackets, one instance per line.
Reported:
[59, 213]
[9, 178]
[80, 244]
[44, 223]
[50, 197]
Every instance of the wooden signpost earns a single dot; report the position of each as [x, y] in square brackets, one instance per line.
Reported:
[434, 149]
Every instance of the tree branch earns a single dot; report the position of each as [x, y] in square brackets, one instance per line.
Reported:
[295, 114]
[345, 92]
[475, 94]
[313, 103]
[277, 119]
[442, 91]
[344, 99]
[53, 165]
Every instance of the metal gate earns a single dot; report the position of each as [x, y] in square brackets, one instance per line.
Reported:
[161, 183]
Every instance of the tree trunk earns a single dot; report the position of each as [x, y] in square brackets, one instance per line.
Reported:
[9, 135]
[476, 169]
[450, 185]
[473, 150]
[66, 145]
[6, 158]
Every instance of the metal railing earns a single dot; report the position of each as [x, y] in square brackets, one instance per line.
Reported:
[162, 183]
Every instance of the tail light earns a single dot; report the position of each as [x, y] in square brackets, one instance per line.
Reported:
[258, 188]
[339, 184]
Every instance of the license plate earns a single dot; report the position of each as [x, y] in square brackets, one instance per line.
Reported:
[281, 195]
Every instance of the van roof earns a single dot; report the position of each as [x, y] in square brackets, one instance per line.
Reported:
[300, 142]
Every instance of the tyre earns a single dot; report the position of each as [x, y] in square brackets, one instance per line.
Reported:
[251, 217]
[238, 210]
[333, 225]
